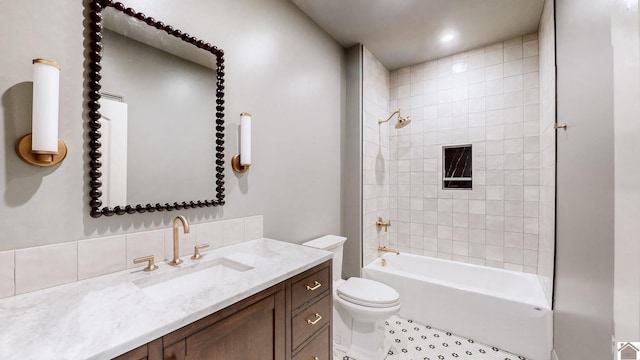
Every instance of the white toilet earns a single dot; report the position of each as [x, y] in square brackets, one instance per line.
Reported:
[360, 307]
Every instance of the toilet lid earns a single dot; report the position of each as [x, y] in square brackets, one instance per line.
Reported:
[368, 293]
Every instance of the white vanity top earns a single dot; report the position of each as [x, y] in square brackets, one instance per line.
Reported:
[103, 317]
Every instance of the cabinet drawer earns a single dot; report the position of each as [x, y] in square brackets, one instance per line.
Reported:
[311, 319]
[310, 287]
[318, 348]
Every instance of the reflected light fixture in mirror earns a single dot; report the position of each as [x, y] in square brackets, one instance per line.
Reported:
[42, 147]
[242, 161]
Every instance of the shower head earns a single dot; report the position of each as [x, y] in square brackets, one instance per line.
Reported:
[402, 121]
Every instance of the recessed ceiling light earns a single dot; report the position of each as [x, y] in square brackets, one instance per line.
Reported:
[447, 37]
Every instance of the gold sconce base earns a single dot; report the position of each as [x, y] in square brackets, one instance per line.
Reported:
[23, 148]
[237, 167]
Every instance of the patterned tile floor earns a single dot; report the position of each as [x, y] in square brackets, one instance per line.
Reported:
[413, 341]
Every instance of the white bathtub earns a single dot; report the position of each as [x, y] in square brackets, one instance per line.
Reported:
[501, 308]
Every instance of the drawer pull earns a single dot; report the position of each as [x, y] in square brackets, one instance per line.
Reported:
[316, 358]
[315, 286]
[313, 322]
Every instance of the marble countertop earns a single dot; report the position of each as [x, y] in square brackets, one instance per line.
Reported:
[103, 317]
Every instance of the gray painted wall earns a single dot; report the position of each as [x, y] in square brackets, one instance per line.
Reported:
[280, 66]
[583, 293]
[352, 165]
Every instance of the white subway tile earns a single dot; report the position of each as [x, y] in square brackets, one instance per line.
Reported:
[476, 61]
[495, 207]
[513, 239]
[514, 115]
[210, 233]
[253, 227]
[513, 267]
[531, 226]
[530, 258]
[513, 99]
[513, 177]
[515, 67]
[512, 192]
[444, 232]
[513, 256]
[45, 266]
[530, 64]
[531, 241]
[514, 208]
[512, 42]
[101, 256]
[477, 221]
[530, 48]
[477, 236]
[7, 271]
[495, 253]
[495, 192]
[531, 208]
[493, 57]
[477, 207]
[494, 237]
[460, 248]
[145, 244]
[445, 245]
[494, 72]
[445, 218]
[512, 53]
[513, 223]
[460, 220]
[477, 261]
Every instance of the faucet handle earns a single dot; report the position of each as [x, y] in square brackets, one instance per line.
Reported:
[150, 262]
[196, 251]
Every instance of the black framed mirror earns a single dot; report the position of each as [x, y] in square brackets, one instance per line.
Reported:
[155, 101]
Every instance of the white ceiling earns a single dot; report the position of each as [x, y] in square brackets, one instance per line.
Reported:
[406, 32]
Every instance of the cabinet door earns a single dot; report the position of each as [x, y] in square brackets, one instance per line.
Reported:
[252, 333]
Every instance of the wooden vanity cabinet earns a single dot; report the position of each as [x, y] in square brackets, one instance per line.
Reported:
[265, 326]
[310, 300]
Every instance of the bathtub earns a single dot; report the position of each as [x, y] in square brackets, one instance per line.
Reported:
[501, 308]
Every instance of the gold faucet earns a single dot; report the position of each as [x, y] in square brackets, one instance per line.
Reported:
[176, 245]
[384, 249]
[380, 224]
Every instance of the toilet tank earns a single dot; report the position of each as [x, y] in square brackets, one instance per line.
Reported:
[334, 244]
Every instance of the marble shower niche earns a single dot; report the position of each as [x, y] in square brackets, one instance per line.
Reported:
[457, 169]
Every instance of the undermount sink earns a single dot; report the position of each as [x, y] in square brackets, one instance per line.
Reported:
[193, 278]
[260, 250]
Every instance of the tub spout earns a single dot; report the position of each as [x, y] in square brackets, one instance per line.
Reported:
[384, 249]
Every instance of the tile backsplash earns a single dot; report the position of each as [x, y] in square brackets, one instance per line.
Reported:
[487, 98]
[36, 268]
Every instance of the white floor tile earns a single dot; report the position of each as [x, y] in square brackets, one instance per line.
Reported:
[413, 341]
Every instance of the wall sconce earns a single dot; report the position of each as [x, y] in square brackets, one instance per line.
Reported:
[42, 147]
[242, 161]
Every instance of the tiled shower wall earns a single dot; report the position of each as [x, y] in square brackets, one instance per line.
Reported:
[375, 78]
[488, 98]
[547, 149]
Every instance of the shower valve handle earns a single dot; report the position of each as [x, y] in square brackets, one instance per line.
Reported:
[380, 224]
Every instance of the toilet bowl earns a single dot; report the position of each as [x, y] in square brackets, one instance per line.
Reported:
[360, 307]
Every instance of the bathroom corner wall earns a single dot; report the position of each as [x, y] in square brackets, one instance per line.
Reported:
[546, 245]
[375, 78]
[293, 86]
[487, 97]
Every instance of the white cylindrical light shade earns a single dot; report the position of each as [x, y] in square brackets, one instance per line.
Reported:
[245, 139]
[46, 93]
